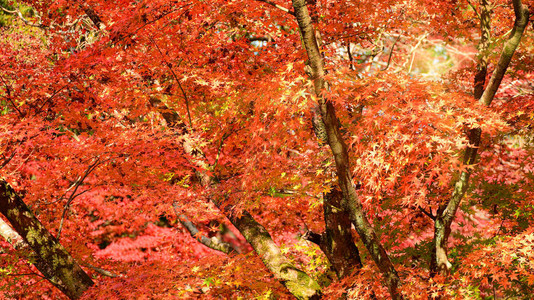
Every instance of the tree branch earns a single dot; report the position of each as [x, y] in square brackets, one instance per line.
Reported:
[73, 195]
[213, 243]
[445, 215]
[300, 284]
[521, 21]
[177, 81]
[277, 6]
[19, 14]
[52, 259]
[9, 97]
[474, 9]
[430, 215]
[391, 52]
[101, 271]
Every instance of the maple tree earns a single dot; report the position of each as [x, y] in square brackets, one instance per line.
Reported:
[260, 149]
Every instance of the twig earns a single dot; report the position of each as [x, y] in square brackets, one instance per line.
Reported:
[25, 160]
[50, 98]
[101, 271]
[278, 6]
[9, 97]
[73, 195]
[177, 81]
[391, 52]
[27, 274]
[429, 214]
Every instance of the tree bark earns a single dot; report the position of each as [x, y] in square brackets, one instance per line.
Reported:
[351, 202]
[337, 242]
[297, 282]
[53, 260]
[213, 243]
[483, 47]
[521, 21]
[445, 215]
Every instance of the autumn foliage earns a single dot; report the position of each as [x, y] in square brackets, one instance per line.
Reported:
[267, 149]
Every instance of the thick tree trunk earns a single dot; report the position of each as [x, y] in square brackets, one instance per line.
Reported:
[296, 281]
[53, 260]
[445, 215]
[351, 202]
[337, 242]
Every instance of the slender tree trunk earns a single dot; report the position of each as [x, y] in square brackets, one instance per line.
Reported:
[53, 260]
[483, 49]
[336, 242]
[351, 202]
[445, 215]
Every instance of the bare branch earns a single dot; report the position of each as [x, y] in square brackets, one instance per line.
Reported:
[19, 14]
[73, 195]
[350, 57]
[7, 160]
[391, 52]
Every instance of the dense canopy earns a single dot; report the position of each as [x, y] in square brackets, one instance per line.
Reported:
[266, 149]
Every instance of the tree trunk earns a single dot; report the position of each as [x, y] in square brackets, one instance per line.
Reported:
[337, 242]
[53, 260]
[445, 215]
[351, 202]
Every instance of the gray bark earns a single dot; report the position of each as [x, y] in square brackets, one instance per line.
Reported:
[53, 260]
